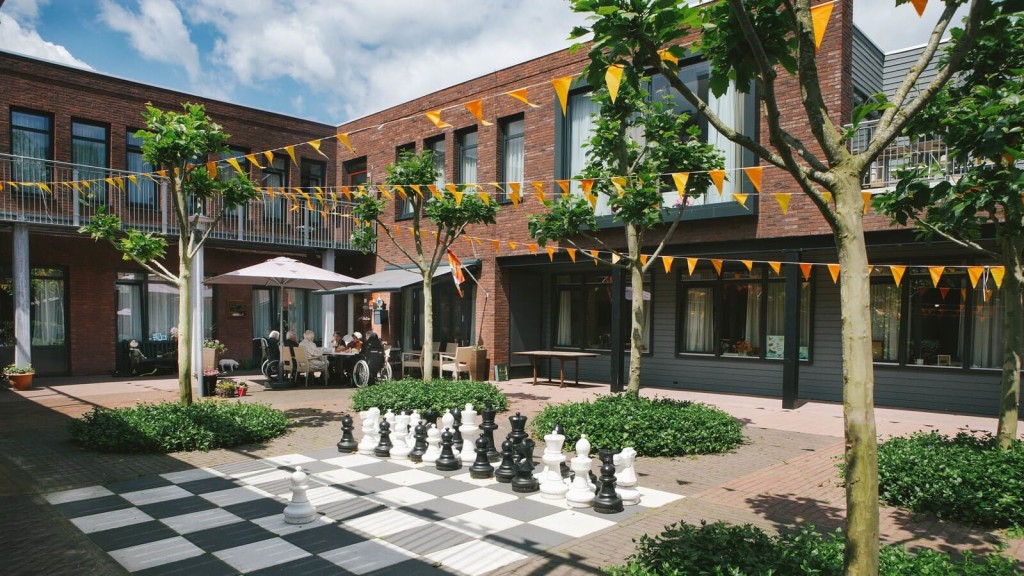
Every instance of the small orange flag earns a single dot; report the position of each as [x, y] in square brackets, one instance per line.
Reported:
[476, 108]
[666, 261]
[866, 196]
[691, 263]
[717, 263]
[613, 77]
[749, 264]
[784, 198]
[343, 138]
[806, 270]
[997, 274]
[521, 96]
[643, 259]
[551, 252]
[820, 16]
[435, 117]
[975, 273]
[562, 90]
[532, 248]
[776, 266]
[540, 191]
[833, 269]
[496, 244]
[564, 185]
[919, 5]
[718, 177]
[754, 174]
[680, 179]
[741, 199]
[515, 193]
[936, 272]
[572, 253]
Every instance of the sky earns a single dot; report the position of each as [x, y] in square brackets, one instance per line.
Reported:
[330, 61]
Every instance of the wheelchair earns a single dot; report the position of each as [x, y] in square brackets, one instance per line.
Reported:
[271, 367]
[373, 361]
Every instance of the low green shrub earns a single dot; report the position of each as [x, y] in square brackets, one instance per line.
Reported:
[652, 426]
[721, 549]
[174, 427]
[441, 395]
[966, 478]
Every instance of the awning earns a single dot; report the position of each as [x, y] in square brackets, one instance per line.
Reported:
[394, 280]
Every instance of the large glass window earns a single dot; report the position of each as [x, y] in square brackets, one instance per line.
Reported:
[354, 172]
[437, 148]
[147, 308]
[404, 208]
[142, 192]
[937, 320]
[311, 176]
[90, 150]
[886, 311]
[467, 141]
[31, 143]
[275, 176]
[775, 320]
[583, 311]
[302, 311]
[987, 327]
[48, 312]
[697, 316]
[512, 154]
[226, 172]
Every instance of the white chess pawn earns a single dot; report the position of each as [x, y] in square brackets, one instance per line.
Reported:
[581, 492]
[367, 443]
[299, 510]
[470, 432]
[625, 476]
[399, 448]
[433, 445]
[551, 483]
[448, 423]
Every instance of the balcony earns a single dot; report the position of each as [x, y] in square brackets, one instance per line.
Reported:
[146, 205]
[903, 153]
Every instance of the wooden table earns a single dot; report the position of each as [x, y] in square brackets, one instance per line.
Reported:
[562, 356]
[341, 365]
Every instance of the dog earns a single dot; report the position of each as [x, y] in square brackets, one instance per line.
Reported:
[228, 364]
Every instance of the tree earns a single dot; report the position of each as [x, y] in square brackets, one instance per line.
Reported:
[449, 211]
[757, 41]
[636, 141]
[176, 143]
[980, 117]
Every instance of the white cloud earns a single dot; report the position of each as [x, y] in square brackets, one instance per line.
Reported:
[373, 55]
[893, 27]
[25, 11]
[14, 38]
[157, 32]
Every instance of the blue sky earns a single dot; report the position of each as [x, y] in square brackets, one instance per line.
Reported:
[325, 60]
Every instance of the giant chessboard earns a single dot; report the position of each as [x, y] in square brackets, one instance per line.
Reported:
[375, 517]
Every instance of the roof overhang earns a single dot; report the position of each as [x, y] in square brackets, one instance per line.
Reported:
[394, 279]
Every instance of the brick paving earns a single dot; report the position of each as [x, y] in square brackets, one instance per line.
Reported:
[782, 477]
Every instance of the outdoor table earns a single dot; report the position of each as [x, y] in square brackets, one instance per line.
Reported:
[341, 364]
[562, 356]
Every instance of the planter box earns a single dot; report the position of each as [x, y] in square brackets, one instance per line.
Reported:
[479, 365]
[20, 381]
[210, 358]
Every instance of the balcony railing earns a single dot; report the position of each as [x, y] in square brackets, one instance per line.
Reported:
[903, 153]
[68, 195]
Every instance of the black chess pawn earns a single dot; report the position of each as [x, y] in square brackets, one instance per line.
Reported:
[383, 449]
[447, 460]
[456, 434]
[487, 428]
[524, 480]
[347, 442]
[518, 433]
[507, 469]
[419, 448]
[481, 467]
[430, 417]
[607, 501]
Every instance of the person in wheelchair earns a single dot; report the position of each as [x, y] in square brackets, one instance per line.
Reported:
[372, 364]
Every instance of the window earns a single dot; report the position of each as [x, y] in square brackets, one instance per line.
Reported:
[937, 320]
[302, 311]
[467, 156]
[48, 307]
[738, 313]
[32, 139]
[354, 172]
[227, 172]
[311, 176]
[578, 128]
[275, 177]
[987, 327]
[90, 148]
[886, 310]
[143, 191]
[583, 317]
[404, 208]
[147, 308]
[512, 154]
[437, 147]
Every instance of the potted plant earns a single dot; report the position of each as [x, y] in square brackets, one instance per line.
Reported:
[20, 377]
[226, 389]
[242, 387]
[209, 382]
[742, 347]
[212, 351]
[479, 365]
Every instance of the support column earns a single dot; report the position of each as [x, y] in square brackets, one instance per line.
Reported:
[351, 324]
[618, 365]
[198, 270]
[327, 263]
[22, 288]
[791, 332]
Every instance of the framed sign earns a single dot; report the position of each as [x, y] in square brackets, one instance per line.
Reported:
[501, 372]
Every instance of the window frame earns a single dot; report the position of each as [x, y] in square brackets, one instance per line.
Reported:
[505, 137]
[463, 153]
[96, 180]
[279, 202]
[143, 183]
[404, 209]
[47, 168]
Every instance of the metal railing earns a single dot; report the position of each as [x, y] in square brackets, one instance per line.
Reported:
[904, 152]
[68, 195]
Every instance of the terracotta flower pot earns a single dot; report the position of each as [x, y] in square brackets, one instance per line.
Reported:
[20, 381]
[241, 391]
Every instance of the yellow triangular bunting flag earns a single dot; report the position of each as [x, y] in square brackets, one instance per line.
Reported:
[691, 263]
[784, 198]
[512, 245]
[666, 261]
[620, 185]
[291, 154]
[680, 179]
[741, 199]
[211, 168]
[776, 266]
[343, 138]
[252, 158]
[749, 264]
[593, 254]
[975, 273]
[643, 259]
[936, 272]
[564, 186]
[997, 274]
[833, 269]
[572, 253]
[476, 108]
[718, 177]
[416, 189]
[435, 117]
[433, 190]
[532, 248]
[668, 57]
[235, 165]
[866, 196]
[269, 156]
[551, 252]
[562, 90]
[315, 144]
[613, 77]
[806, 270]
[717, 263]
[820, 16]
[521, 96]
[754, 174]
[540, 190]
[515, 193]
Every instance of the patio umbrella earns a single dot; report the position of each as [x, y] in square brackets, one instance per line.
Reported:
[283, 273]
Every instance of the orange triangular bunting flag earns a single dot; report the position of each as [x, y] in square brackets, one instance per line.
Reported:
[666, 261]
[512, 245]
[532, 247]
[680, 179]
[593, 254]
[691, 263]
[749, 264]
[866, 196]
[401, 192]
[668, 57]
[539, 186]
[897, 273]
[806, 270]
[291, 154]
[496, 244]
[741, 199]
[416, 189]
[521, 96]
[562, 90]
[776, 266]
[587, 184]
[833, 269]
[343, 138]
[936, 272]
[919, 5]
[943, 292]
[476, 108]
[717, 263]
[975, 273]
[618, 181]
[997, 274]
[435, 117]
[564, 185]
[211, 169]
[433, 190]
[551, 252]
[572, 253]
[754, 174]
[485, 197]
[613, 77]
[252, 158]
[515, 193]
[718, 177]
[784, 199]
[643, 259]
[820, 16]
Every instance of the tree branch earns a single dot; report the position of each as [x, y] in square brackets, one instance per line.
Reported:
[830, 139]
[963, 243]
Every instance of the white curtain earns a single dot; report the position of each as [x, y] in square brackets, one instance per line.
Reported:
[47, 312]
[564, 318]
[699, 320]
[438, 149]
[467, 158]
[752, 333]
[581, 110]
[89, 151]
[129, 312]
[144, 191]
[514, 156]
[885, 321]
[987, 348]
[30, 137]
[263, 317]
[163, 310]
[728, 107]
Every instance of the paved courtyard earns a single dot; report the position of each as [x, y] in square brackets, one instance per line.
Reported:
[784, 476]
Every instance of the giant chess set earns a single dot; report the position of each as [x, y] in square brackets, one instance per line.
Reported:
[412, 496]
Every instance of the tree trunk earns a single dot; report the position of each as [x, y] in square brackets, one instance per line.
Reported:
[184, 322]
[636, 282]
[428, 325]
[1009, 395]
[858, 381]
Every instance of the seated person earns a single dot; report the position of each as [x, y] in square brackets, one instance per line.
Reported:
[290, 339]
[337, 344]
[347, 343]
[314, 353]
[357, 341]
[273, 345]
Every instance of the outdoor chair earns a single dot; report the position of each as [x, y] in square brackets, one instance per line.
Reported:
[414, 360]
[303, 366]
[449, 351]
[457, 363]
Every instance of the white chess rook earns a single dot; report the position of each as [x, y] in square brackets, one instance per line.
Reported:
[581, 494]
[299, 510]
